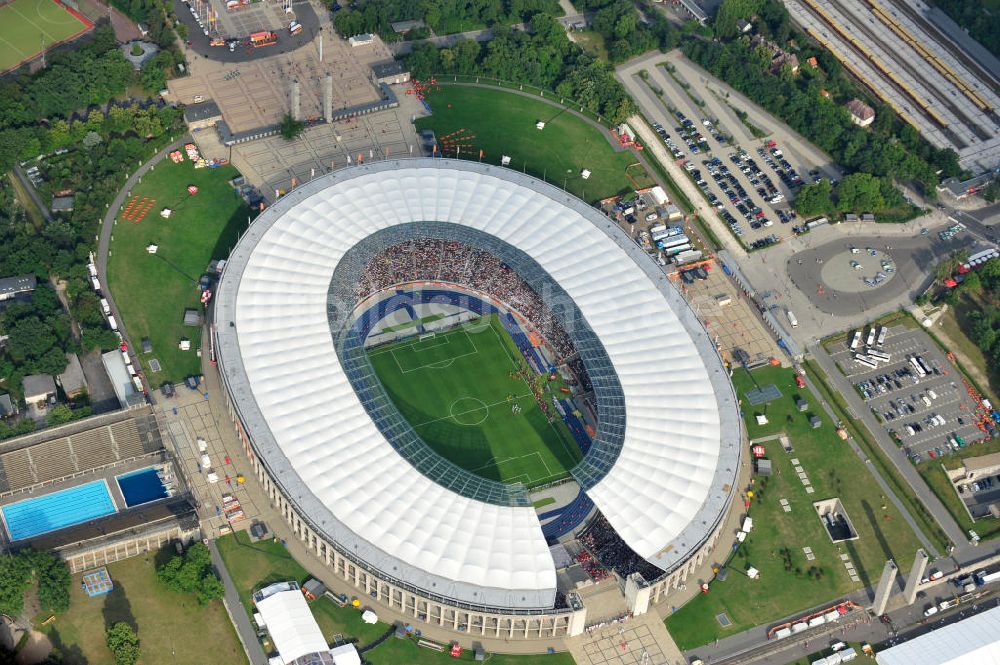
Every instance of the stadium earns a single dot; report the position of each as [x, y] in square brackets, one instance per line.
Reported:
[413, 349]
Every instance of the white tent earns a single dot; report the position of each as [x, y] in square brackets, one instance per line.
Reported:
[292, 626]
[345, 654]
[369, 617]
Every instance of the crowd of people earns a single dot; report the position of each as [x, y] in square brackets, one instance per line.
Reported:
[437, 260]
[608, 548]
[597, 572]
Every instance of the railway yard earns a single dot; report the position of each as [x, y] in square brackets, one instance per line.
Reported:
[910, 65]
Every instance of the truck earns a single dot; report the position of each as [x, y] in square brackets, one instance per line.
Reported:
[986, 576]
[263, 38]
[791, 318]
[674, 241]
[666, 233]
[294, 28]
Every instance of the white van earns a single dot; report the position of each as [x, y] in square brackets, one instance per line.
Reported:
[791, 318]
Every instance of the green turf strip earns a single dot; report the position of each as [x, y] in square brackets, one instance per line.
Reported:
[457, 391]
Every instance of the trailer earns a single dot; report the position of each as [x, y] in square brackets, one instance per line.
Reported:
[675, 241]
[674, 251]
[687, 257]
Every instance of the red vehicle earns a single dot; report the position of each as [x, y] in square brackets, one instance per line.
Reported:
[263, 38]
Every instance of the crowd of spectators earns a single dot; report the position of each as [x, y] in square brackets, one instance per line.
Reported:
[437, 260]
[608, 548]
[597, 572]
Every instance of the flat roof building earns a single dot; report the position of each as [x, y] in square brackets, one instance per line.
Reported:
[971, 641]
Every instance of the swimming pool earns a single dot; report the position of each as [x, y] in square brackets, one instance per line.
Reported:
[141, 486]
[49, 512]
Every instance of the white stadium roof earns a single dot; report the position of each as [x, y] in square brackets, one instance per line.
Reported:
[675, 473]
[972, 641]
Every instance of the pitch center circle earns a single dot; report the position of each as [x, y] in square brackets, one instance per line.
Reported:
[469, 411]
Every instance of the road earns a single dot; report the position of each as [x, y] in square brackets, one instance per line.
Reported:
[30, 188]
[107, 229]
[245, 631]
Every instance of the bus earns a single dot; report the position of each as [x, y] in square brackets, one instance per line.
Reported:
[878, 355]
[870, 342]
[917, 368]
[856, 341]
[263, 38]
[883, 331]
[865, 360]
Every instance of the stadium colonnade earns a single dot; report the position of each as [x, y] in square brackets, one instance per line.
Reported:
[396, 532]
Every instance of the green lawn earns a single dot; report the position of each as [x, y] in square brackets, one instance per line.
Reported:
[254, 565]
[28, 27]
[172, 627]
[153, 290]
[834, 471]
[457, 390]
[499, 123]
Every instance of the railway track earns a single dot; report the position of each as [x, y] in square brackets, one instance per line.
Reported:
[812, 7]
[940, 65]
[900, 61]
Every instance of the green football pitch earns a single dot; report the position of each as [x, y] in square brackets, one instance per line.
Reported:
[461, 392]
[28, 27]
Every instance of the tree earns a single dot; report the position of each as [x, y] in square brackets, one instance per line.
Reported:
[860, 192]
[290, 128]
[815, 199]
[192, 572]
[123, 643]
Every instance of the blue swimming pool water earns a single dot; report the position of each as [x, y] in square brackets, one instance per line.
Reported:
[141, 487]
[49, 512]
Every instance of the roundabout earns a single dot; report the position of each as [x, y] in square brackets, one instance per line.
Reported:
[840, 281]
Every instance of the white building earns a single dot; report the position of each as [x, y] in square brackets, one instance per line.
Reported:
[972, 641]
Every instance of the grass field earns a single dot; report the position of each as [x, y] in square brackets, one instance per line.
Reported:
[28, 27]
[152, 291]
[834, 470]
[172, 627]
[253, 565]
[457, 391]
[503, 123]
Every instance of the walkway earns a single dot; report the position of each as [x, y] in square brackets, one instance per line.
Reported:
[108, 226]
[245, 631]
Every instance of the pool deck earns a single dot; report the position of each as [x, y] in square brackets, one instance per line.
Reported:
[106, 474]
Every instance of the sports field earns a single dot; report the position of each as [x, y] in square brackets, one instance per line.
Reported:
[28, 27]
[462, 393]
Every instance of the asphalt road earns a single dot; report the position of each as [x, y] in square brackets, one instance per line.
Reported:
[246, 632]
[913, 258]
[199, 42]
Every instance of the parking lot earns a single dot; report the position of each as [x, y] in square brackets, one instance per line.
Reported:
[750, 181]
[931, 415]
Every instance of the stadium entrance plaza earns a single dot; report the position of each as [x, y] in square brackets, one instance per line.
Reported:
[190, 414]
[256, 94]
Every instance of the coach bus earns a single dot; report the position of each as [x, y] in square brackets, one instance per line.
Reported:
[856, 341]
[865, 360]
